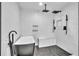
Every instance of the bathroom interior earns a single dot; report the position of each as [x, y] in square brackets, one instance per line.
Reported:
[39, 29]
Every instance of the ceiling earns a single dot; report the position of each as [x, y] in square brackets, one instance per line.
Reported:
[50, 5]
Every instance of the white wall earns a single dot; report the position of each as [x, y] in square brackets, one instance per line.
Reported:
[31, 17]
[9, 21]
[69, 42]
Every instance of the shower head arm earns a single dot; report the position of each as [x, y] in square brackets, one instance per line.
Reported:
[45, 6]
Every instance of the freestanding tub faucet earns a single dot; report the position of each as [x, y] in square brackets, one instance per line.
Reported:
[11, 41]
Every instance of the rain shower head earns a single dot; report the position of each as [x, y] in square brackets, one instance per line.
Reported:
[55, 11]
[45, 10]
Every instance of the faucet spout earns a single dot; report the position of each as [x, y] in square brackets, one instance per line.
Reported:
[11, 41]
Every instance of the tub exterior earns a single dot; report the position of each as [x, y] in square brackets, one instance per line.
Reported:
[25, 50]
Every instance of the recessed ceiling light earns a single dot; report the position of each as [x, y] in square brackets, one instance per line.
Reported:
[40, 4]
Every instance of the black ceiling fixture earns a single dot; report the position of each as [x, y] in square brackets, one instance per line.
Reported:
[45, 10]
[56, 11]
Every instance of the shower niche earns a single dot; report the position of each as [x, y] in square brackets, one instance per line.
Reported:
[35, 28]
